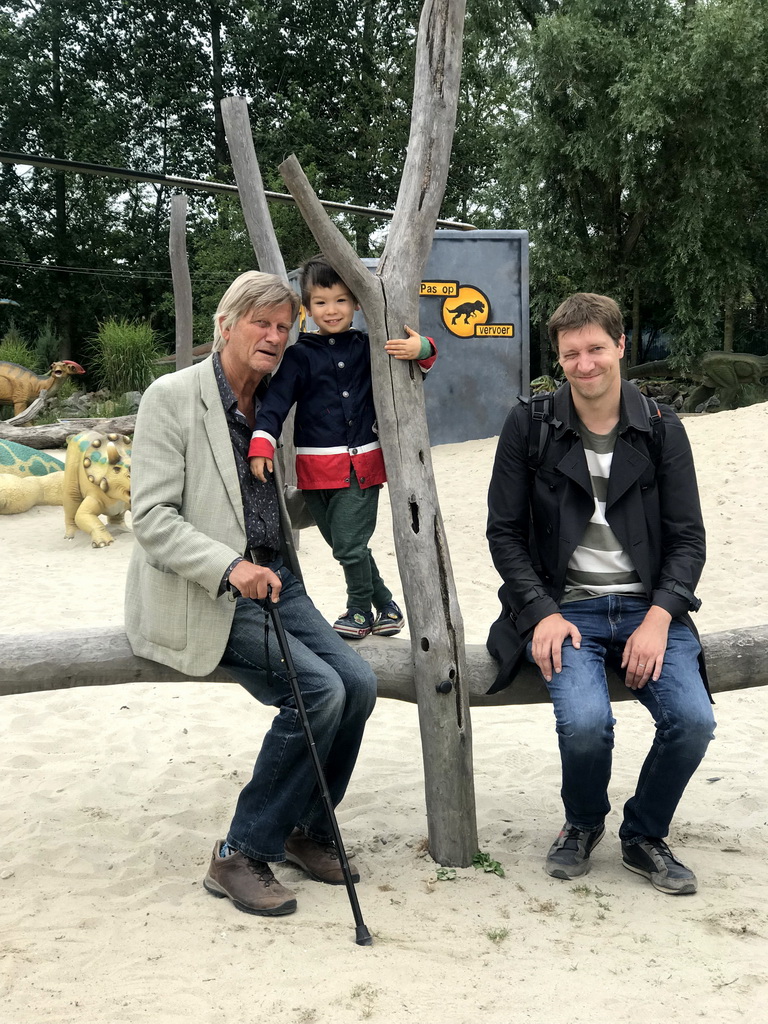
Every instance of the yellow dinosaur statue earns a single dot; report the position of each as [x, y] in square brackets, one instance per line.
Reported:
[97, 481]
[18, 493]
[28, 477]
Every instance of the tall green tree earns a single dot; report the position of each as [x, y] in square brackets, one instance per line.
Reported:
[636, 153]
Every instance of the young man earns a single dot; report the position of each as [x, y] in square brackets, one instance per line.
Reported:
[339, 463]
[211, 542]
[618, 548]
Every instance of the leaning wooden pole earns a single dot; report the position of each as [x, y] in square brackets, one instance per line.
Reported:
[390, 301]
[253, 200]
[182, 285]
[237, 126]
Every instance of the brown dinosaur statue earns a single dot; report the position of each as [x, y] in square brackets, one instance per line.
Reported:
[19, 386]
[97, 481]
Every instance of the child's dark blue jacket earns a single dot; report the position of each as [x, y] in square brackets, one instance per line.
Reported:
[329, 379]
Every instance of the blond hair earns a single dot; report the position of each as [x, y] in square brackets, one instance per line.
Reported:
[251, 290]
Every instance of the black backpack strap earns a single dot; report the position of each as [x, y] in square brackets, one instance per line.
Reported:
[658, 430]
[540, 421]
[540, 428]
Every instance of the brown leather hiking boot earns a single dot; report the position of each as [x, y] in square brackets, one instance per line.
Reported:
[250, 884]
[319, 860]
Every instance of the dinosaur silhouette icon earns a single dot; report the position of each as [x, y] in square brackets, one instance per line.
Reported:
[467, 310]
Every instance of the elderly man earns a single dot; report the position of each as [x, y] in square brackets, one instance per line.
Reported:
[212, 541]
[600, 543]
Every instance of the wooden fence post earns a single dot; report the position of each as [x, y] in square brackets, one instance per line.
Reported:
[182, 286]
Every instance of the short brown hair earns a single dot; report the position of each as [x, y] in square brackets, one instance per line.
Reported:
[585, 308]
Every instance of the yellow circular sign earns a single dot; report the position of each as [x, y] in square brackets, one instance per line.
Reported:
[464, 311]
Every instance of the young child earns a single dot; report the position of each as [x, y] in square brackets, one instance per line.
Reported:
[339, 463]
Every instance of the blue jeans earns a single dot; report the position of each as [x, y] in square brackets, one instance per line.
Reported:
[678, 702]
[339, 692]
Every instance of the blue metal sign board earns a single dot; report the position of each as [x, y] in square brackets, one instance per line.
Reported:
[474, 304]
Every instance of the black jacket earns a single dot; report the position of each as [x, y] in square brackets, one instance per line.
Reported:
[537, 518]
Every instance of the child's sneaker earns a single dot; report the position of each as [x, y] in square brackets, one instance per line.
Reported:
[353, 624]
[389, 621]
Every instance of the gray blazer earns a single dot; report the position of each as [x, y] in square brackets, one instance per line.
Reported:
[187, 514]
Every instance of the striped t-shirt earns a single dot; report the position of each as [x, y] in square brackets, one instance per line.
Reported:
[599, 565]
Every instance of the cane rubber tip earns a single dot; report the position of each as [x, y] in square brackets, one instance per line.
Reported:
[363, 936]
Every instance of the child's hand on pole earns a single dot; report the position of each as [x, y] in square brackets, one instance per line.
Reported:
[257, 464]
[405, 348]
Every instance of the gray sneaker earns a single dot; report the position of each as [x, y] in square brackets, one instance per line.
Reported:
[568, 856]
[653, 859]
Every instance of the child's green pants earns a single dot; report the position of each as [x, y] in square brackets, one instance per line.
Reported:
[346, 517]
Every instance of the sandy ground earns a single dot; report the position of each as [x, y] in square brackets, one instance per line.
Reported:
[113, 795]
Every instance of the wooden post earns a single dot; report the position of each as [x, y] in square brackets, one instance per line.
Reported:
[245, 164]
[390, 301]
[234, 111]
[182, 286]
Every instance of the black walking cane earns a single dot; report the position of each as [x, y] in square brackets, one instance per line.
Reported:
[362, 935]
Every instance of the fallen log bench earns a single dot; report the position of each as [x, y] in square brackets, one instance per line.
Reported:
[736, 659]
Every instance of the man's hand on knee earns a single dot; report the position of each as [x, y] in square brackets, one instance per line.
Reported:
[547, 644]
[254, 580]
[644, 651]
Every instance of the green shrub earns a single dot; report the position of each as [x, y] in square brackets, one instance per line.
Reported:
[15, 349]
[753, 394]
[124, 355]
[47, 345]
[111, 408]
[68, 387]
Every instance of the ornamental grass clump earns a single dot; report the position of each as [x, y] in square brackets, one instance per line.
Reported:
[15, 349]
[123, 355]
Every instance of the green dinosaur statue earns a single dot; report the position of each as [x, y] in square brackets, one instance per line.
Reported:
[723, 373]
[19, 460]
[97, 481]
[543, 385]
[727, 373]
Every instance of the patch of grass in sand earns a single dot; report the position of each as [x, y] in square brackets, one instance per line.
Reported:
[542, 906]
[367, 995]
[497, 935]
[600, 897]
